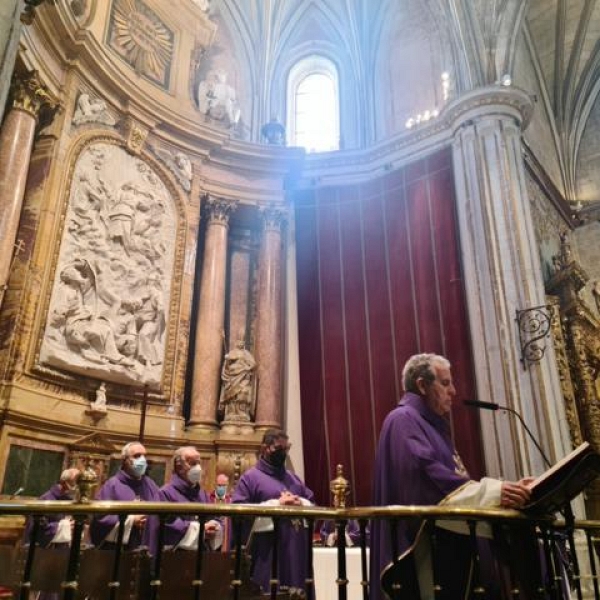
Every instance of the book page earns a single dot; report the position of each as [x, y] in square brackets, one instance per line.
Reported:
[572, 456]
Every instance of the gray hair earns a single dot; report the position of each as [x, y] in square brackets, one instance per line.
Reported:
[420, 366]
[178, 456]
[69, 474]
[127, 447]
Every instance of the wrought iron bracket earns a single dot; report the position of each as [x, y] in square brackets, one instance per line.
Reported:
[534, 327]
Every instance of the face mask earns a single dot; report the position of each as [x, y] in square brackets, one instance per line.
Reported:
[277, 457]
[221, 490]
[194, 474]
[139, 466]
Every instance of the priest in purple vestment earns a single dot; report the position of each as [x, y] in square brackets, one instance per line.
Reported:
[183, 532]
[129, 484]
[271, 484]
[56, 528]
[416, 464]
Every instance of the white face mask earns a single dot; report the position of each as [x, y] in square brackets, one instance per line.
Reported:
[195, 474]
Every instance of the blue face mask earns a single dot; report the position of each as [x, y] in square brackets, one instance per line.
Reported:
[139, 466]
[221, 490]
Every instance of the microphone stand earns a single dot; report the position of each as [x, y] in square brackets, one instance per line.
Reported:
[567, 511]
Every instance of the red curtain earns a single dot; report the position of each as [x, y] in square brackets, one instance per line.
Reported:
[379, 279]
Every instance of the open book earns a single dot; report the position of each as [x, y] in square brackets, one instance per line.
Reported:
[565, 480]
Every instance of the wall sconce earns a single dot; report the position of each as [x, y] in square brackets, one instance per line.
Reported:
[534, 326]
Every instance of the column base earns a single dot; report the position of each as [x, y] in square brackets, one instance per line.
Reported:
[204, 428]
[237, 428]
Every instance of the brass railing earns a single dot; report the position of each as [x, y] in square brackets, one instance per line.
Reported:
[577, 542]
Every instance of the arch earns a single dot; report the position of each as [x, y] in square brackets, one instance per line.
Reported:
[313, 104]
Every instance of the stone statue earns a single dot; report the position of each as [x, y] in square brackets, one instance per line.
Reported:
[92, 111]
[217, 99]
[99, 404]
[237, 391]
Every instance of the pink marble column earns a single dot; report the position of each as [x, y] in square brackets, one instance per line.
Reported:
[211, 317]
[269, 346]
[28, 96]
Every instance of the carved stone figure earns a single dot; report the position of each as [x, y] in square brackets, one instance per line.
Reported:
[85, 332]
[99, 404]
[92, 111]
[203, 5]
[236, 402]
[179, 164]
[107, 315]
[217, 99]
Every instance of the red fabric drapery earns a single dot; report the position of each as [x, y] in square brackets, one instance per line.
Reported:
[379, 279]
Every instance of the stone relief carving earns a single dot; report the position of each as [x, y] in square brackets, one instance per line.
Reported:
[140, 37]
[179, 164]
[107, 315]
[90, 110]
[217, 99]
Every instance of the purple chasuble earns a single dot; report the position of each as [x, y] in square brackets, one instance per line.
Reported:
[415, 464]
[266, 482]
[123, 488]
[179, 490]
[48, 523]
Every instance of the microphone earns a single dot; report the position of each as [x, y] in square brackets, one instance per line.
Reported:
[17, 492]
[486, 405]
[494, 406]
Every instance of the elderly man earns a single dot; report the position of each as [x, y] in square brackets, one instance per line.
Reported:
[57, 528]
[129, 484]
[271, 484]
[416, 463]
[183, 532]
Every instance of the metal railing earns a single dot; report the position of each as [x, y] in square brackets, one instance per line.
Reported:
[567, 555]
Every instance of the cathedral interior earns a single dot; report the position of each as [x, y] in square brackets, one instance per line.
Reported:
[219, 217]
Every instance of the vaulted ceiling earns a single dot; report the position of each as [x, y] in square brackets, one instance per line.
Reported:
[561, 36]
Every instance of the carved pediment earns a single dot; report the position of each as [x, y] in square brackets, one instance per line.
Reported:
[95, 443]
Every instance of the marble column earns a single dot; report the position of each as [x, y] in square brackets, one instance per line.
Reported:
[502, 274]
[28, 97]
[10, 31]
[211, 317]
[268, 346]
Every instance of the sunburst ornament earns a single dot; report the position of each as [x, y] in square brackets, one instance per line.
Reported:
[140, 38]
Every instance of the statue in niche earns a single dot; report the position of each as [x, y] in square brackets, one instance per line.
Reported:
[108, 311]
[236, 402]
[217, 99]
[179, 164]
[90, 110]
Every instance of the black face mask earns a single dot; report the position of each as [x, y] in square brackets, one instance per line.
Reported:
[277, 457]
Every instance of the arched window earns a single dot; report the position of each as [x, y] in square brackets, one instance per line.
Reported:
[313, 119]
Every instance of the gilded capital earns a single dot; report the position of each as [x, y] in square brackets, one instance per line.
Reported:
[29, 94]
[218, 210]
[274, 217]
